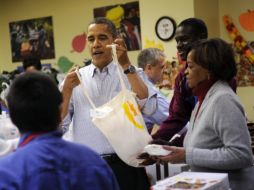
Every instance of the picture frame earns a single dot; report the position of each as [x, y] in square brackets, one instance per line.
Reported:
[32, 36]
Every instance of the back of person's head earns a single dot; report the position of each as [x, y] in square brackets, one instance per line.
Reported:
[216, 56]
[34, 103]
[31, 62]
[197, 27]
[150, 56]
[110, 25]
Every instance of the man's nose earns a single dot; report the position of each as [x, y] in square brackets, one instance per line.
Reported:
[179, 45]
[96, 43]
[186, 72]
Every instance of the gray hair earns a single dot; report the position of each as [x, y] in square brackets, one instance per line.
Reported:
[150, 56]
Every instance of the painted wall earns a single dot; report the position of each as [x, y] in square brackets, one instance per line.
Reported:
[71, 18]
[234, 8]
[208, 11]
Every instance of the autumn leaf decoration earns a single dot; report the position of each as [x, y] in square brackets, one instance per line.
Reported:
[239, 42]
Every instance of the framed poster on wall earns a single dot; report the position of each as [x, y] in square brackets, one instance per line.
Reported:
[33, 36]
[127, 21]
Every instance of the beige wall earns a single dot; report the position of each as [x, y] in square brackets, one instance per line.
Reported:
[70, 17]
[208, 10]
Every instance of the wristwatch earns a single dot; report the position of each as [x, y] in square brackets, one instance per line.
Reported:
[131, 69]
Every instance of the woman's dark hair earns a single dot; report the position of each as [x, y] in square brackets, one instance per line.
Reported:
[217, 56]
[34, 103]
[109, 23]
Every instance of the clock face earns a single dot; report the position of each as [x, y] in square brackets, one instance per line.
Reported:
[165, 28]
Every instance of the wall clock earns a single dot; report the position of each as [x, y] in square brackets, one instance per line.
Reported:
[165, 28]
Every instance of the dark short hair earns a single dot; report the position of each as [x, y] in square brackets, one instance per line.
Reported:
[150, 56]
[31, 61]
[34, 103]
[102, 20]
[197, 26]
[217, 56]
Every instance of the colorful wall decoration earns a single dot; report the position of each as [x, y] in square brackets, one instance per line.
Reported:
[64, 64]
[78, 43]
[34, 36]
[127, 21]
[244, 54]
[246, 20]
[152, 44]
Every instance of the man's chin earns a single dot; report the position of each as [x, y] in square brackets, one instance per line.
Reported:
[100, 63]
[97, 63]
[183, 57]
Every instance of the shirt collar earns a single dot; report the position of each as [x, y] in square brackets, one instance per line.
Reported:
[201, 90]
[151, 81]
[110, 69]
[25, 135]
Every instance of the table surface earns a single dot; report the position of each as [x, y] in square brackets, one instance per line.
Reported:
[238, 180]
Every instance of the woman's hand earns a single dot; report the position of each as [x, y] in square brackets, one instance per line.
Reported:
[176, 156]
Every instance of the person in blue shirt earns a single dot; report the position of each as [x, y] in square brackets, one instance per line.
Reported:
[153, 62]
[43, 160]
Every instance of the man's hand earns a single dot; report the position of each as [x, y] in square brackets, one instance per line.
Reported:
[137, 84]
[71, 81]
[148, 160]
[121, 51]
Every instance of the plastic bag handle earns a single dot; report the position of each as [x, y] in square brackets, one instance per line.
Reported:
[84, 89]
[115, 61]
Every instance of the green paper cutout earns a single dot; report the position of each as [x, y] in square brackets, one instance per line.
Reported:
[64, 64]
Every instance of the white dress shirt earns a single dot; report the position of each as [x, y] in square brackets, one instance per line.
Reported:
[101, 87]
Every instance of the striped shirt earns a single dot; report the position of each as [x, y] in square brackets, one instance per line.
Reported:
[161, 113]
[101, 86]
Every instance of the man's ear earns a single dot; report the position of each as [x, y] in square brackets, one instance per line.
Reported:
[148, 67]
[203, 36]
